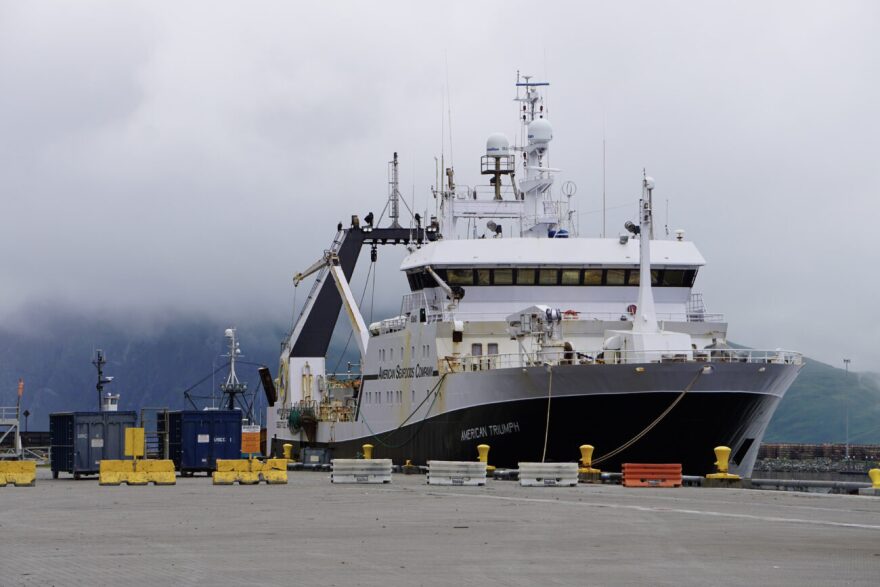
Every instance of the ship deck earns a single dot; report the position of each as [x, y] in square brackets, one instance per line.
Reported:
[67, 532]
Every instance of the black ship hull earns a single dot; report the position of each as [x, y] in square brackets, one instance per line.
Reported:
[516, 430]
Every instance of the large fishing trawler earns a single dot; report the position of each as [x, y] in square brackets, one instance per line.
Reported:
[525, 336]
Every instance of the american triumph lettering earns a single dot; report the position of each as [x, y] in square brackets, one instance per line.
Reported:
[489, 430]
[399, 372]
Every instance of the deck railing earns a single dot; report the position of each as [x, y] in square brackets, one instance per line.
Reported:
[517, 360]
[414, 302]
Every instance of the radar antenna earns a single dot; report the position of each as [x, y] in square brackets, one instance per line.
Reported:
[99, 361]
[233, 387]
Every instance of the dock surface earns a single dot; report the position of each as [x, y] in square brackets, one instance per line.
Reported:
[66, 532]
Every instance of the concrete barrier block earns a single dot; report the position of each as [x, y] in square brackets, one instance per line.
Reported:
[275, 477]
[233, 465]
[159, 472]
[361, 471]
[548, 474]
[468, 473]
[114, 472]
[18, 473]
[224, 477]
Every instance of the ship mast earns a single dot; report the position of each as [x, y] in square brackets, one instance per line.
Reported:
[646, 316]
[233, 387]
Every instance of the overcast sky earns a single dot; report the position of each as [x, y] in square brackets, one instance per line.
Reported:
[191, 157]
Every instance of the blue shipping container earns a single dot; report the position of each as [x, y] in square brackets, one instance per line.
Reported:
[198, 438]
[81, 440]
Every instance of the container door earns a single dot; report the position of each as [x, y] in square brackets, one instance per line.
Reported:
[231, 432]
[89, 445]
[114, 441]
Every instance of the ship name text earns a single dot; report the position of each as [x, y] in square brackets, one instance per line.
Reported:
[489, 430]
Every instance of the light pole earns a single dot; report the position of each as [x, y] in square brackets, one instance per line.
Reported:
[846, 406]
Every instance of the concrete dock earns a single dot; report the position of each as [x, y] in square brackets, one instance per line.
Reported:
[66, 532]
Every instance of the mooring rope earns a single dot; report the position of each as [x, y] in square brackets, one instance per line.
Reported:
[650, 426]
[547, 423]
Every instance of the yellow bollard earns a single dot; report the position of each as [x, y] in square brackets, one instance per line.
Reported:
[722, 454]
[288, 451]
[586, 473]
[483, 457]
[722, 461]
[368, 451]
[874, 474]
[587, 459]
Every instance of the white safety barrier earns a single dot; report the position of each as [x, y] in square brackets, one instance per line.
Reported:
[361, 471]
[456, 473]
[548, 474]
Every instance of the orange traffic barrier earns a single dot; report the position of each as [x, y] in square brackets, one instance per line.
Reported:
[651, 475]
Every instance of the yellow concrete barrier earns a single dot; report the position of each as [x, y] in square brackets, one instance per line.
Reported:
[274, 471]
[250, 471]
[158, 472]
[139, 472]
[115, 472]
[18, 473]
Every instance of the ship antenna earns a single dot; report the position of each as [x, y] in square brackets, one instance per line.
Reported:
[603, 174]
[449, 108]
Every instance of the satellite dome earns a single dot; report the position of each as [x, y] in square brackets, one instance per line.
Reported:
[497, 145]
[540, 131]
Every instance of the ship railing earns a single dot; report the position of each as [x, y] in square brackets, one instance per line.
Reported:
[8, 413]
[595, 316]
[466, 363]
[487, 193]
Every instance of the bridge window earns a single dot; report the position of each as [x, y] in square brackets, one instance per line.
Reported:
[615, 277]
[477, 349]
[525, 277]
[548, 277]
[460, 277]
[571, 277]
[484, 276]
[593, 276]
[503, 276]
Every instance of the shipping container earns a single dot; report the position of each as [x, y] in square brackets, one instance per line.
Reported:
[81, 440]
[198, 438]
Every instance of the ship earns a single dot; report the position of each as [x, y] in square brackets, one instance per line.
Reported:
[518, 333]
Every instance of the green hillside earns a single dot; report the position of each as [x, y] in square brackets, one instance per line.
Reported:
[814, 409]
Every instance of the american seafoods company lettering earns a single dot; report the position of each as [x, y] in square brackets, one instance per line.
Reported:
[399, 372]
[489, 430]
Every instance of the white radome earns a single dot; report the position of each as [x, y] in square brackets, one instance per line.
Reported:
[540, 131]
[497, 145]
